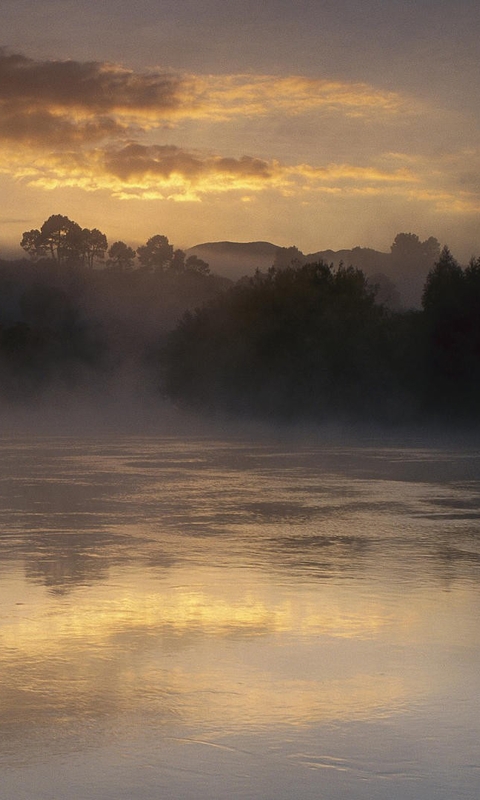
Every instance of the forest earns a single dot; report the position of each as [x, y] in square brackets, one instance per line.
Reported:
[302, 340]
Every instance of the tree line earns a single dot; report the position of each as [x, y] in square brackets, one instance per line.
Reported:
[65, 242]
[300, 341]
[313, 342]
[78, 311]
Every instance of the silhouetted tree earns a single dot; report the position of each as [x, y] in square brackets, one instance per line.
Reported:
[156, 255]
[307, 340]
[83, 246]
[451, 302]
[62, 238]
[32, 244]
[93, 244]
[407, 249]
[65, 241]
[299, 340]
[444, 287]
[121, 257]
[411, 260]
[195, 264]
[177, 263]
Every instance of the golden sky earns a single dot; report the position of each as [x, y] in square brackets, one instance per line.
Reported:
[326, 129]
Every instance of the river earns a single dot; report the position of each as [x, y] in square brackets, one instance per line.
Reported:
[203, 618]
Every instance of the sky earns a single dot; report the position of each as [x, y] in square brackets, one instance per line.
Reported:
[322, 124]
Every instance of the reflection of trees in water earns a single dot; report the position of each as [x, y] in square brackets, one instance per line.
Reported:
[56, 522]
[322, 513]
[456, 553]
[61, 562]
[320, 555]
[289, 538]
[359, 533]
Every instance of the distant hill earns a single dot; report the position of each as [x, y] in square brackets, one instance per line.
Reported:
[400, 282]
[236, 259]
[364, 258]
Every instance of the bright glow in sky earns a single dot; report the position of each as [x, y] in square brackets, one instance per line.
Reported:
[319, 124]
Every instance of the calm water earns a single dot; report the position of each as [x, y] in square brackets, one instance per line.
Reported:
[201, 619]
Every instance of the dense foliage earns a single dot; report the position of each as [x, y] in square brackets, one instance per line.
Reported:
[311, 342]
[70, 316]
[300, 341]
[295, 342]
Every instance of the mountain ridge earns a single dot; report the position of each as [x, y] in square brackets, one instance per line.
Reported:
[400, 274]
[236, 259]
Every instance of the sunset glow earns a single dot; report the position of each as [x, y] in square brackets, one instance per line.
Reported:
[319, 152]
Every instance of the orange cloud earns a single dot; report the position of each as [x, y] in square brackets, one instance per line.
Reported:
[351, 173]
[225, 96]
[139, 162]
[84, 125]
[138, 170]
[61, 94]
[149, 172]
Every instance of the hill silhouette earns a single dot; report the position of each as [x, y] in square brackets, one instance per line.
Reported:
[236, 259]
[400, 274]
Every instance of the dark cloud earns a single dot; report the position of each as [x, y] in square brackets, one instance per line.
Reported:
[246, 166]
[137, 161]
[65, 103]
[93, 86]
[42, 128]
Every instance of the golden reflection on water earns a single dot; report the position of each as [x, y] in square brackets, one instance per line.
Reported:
[216, 608]
[213, 648]
[154, 594]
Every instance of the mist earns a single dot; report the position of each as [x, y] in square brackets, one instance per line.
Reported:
[352, 338]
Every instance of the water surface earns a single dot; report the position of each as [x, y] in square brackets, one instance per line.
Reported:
[203, 618]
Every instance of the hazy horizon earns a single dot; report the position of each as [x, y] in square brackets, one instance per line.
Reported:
[312, 125]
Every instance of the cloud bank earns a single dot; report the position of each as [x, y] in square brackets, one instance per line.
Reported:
[99, 126]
